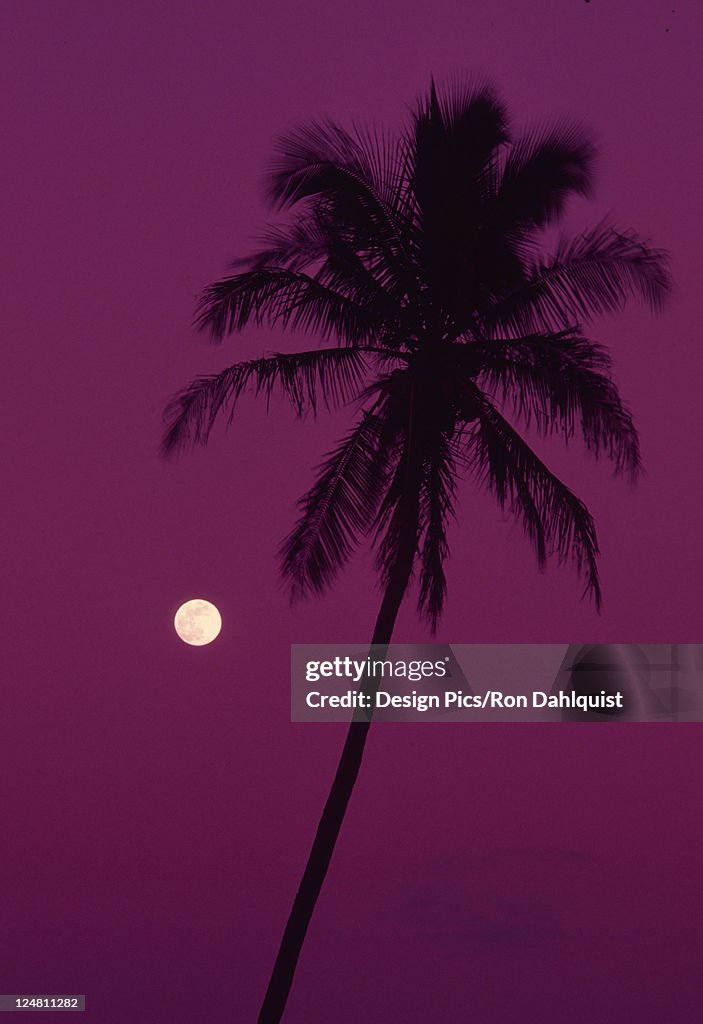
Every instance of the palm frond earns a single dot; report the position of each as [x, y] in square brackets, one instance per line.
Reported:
[561, 382]
[333, 376]
[321, 158]
[595, 273]
[541, 170]
[554, 519]
[315, 239]
[317, 244]
[437, 507]
[337, 510]
[293, 246]
[286, 298]
[355, 180]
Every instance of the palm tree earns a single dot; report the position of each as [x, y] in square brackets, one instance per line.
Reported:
[419, 263]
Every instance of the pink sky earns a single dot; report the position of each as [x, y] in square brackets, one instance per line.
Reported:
[157, 803]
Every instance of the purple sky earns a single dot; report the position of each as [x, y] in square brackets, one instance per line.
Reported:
[156, 802]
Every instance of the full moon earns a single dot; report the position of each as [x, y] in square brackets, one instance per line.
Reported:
[197, 622]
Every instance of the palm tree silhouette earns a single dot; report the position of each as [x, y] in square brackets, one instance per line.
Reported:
[421, 258]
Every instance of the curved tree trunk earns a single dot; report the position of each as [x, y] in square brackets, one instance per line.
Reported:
[341, 791]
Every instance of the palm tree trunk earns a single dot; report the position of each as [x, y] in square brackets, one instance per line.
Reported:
[340, 793]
